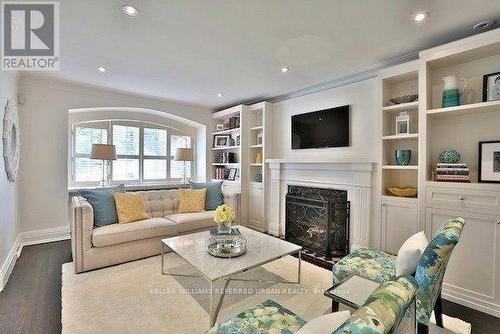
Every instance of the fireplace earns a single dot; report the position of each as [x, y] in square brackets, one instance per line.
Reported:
[318, 220]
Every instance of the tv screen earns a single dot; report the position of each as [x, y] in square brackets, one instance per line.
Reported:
[324, 128]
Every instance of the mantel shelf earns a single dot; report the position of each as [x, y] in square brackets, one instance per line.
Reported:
[465, 109]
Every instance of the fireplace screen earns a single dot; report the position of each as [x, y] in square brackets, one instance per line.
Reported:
[318, 220]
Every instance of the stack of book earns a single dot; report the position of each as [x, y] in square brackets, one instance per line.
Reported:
[221, 173]
[452, 172]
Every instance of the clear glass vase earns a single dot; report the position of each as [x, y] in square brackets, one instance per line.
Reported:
[224, 227]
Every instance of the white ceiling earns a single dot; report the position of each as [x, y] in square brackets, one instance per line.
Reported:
[190, 50]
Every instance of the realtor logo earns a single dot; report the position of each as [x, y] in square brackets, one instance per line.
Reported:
[30, 32]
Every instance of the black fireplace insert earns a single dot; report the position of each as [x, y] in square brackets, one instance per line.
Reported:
[318, 220]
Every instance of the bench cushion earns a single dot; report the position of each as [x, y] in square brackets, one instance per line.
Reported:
[143, 229]
[193, 220]
[373, 264]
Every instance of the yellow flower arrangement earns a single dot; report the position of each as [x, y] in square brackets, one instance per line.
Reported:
[224, 215]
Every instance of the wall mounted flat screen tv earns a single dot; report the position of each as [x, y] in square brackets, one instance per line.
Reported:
[323, 128]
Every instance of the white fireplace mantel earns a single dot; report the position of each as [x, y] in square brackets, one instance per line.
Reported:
[353, 176]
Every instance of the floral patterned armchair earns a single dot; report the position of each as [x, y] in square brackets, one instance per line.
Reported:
[381, 313]
[380, 266]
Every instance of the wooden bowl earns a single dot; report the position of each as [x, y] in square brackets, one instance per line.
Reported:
[403, 192]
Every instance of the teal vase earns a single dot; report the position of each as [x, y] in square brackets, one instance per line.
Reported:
[403, 157]
[451, 98]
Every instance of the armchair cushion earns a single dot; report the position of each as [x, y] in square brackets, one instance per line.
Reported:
[410, 252]
[268, 317]
[369, 263]
[325, 323]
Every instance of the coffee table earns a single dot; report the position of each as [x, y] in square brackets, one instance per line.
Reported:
[261, 249]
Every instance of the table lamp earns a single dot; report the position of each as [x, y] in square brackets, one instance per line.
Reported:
[104, 152]
[184, 154]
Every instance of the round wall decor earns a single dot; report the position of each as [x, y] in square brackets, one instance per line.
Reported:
[11, 140]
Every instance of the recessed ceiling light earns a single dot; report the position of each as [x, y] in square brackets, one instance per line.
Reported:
[419, 17]
[483, 25]
[285, 69]
[130, 10]
[101, 69]
[220, 95]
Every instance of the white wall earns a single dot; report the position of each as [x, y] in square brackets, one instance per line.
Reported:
[365, 131]
[9, 226]
[44, 144]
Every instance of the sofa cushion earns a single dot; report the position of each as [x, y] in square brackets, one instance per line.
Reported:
[143, 229]
[193, 221]
[130, 207]
[214, 196]
[192, 200]
[103, 204]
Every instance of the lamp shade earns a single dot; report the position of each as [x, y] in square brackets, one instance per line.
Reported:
[183, 154]
[103, 152]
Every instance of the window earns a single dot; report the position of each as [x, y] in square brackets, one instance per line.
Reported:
[86, 169]
[126, 140]
[144, 152]
[177, 167]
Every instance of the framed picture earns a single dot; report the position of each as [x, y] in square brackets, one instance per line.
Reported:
[220, 127]
[232, 174]
[491, 87]
[489, 161]
[221, 140]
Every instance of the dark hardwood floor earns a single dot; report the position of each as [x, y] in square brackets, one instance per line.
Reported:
[31, 301]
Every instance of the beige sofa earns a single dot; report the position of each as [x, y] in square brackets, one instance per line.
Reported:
[97, 247]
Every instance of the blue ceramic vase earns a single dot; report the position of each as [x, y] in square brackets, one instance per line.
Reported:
[403, 157]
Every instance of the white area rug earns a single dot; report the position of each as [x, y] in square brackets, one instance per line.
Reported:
[135, 298]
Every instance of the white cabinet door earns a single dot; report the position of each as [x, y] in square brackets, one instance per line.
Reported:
[474, 267]
[399, 222]
[256, 209]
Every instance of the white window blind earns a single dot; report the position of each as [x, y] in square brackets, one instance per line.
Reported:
[126, 140]
[177, 167]
[155, 154]
[86, 169]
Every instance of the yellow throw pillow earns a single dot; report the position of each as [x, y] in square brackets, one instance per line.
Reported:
[192, 200]
[130, 207]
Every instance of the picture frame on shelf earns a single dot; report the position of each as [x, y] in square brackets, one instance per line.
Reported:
[232, 174]
[221, 141]
[491, 87]
[489, 161]
[219, 127]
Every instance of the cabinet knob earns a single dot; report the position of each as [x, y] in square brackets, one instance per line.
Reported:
[461, 198]
[384, 204]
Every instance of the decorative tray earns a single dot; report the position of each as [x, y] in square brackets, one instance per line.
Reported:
[233, 232]
[226, 248]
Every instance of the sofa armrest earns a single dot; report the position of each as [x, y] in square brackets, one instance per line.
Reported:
[82, 224]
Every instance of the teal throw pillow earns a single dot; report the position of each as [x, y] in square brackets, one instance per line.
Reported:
[214, 196]
[103, 203]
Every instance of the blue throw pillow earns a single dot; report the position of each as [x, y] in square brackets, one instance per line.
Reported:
[214, 196]
[103, 203]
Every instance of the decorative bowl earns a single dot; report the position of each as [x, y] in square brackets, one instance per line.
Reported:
[226, 247]
[448, 156]
[404, 99]
[403, 192]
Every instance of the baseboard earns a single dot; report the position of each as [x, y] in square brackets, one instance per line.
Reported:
[9, 262]
[26, 239]
[44, 236]
[473, 303]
